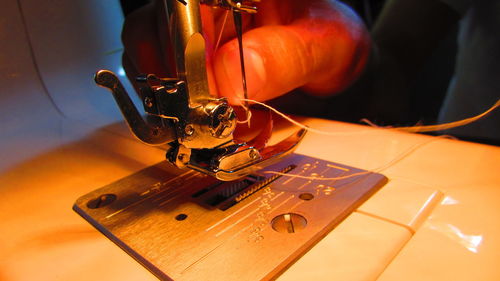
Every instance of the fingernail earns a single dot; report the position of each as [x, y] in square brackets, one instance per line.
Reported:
[254, 69]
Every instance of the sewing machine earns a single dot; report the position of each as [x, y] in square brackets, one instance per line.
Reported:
[186, 220]
[237, 198]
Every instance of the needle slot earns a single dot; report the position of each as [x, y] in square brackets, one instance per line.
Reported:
[224, 195]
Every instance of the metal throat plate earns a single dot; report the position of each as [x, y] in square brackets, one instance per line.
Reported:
[188, 226]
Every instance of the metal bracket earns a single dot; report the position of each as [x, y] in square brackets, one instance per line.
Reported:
[189, 226]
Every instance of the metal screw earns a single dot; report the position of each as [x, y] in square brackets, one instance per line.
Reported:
[224, 121]
[184, 158]
[148, 102]
[189, 130]
[289, 223]
[253, 154]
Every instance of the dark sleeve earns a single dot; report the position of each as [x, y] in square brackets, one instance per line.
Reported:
[129, 6]
[405, 35]
[460, 6]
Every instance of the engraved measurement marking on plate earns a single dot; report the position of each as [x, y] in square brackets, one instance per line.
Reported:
[251, 213]
[268, 195]
[255, 235]
[227, 240]
[282, 203]
[175, 189]
[278, 195]
[233, 214]
[305, 167]
[337, 167]
[260, 222]
[261, 219]
[235, 223]
[159, 185]
[166, 257]
[302, 186]
[156, 190]
[179, 194]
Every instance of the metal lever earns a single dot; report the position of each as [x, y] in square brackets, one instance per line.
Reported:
[147, 133]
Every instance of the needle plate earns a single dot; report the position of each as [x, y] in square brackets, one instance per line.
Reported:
[188, 226]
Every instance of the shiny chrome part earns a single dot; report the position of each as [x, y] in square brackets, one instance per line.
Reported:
[190, 226]
[234, 161]
[198, 127]
[146, 132]
[201, 137]
[232, 168]
[189, 48]
[223, 119]
[183, 157]
[209, 126]
[247, 6]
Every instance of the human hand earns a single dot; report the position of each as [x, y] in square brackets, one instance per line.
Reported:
[321, 46]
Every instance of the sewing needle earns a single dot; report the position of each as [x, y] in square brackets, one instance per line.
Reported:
[239, 34]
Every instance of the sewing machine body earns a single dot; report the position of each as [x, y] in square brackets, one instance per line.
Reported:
[434, 219]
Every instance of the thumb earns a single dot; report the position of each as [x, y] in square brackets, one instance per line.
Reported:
[324, 57]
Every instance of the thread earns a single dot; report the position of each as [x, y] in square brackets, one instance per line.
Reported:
[370, 123]
[317, 178]
[409, 129]
[226, 13]
[412, 129]
[404, 154]
[248, 114]
[446, 126]
[217, 44]
[398, 158]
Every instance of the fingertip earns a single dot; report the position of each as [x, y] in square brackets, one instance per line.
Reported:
[228, 72]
